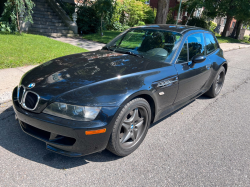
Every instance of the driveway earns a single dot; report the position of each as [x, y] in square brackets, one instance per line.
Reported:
[206, 143]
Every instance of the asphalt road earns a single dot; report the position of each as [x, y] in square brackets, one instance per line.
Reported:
[207, 143]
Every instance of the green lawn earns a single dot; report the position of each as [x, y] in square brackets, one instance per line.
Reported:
[108, 36]
[227, 40]
[27, 49]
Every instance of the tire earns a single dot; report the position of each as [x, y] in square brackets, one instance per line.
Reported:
[217, 84]
[130, 128]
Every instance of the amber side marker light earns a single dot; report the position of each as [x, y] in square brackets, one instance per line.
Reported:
[95, 131]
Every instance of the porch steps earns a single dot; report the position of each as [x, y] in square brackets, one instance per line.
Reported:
[47, 22]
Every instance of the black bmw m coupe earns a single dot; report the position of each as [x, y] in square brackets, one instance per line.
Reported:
[84, 103]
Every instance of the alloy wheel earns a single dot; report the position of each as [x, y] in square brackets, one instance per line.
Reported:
[133, 127]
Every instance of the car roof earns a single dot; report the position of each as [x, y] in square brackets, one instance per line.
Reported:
[171, 27]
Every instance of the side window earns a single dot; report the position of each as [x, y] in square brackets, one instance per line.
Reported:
[196, 45]
[211, 44]
[183, 57]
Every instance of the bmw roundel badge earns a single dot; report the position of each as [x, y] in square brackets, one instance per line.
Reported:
[32, 85]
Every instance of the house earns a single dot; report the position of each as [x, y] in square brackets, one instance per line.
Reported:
[221, 22]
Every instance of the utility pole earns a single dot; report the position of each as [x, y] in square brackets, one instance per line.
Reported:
[178, 13]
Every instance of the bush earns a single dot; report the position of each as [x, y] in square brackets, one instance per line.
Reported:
[212, 26]
[131, 13]
[126, 27]
[150, 15]
[87, 20]
[5, 27]
[117, 26]
[170, 17]
[198, 22]
[140, 23]
[135, 12]
[246, 38]
[216, 34]
[11, 13]
[171, 21]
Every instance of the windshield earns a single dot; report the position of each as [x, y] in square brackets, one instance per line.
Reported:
[158, 45]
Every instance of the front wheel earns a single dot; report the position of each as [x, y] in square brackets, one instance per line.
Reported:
[217, 84]
[130, 127]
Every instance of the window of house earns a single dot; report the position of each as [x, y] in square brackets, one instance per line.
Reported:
[225, 21]
[147, 2]
[233, 24]
[211, 44]
[198, 13]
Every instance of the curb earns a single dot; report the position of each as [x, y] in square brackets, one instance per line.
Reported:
[235, 48]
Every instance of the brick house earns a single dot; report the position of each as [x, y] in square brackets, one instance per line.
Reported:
[221, 22]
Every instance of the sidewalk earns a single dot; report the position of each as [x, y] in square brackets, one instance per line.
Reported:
[11, 77]
[83, 43]
[233, 46]
[9, 80]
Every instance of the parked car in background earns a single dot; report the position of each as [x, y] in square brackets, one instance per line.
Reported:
[87, 102]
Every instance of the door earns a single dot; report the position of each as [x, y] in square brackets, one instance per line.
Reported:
[192, 77]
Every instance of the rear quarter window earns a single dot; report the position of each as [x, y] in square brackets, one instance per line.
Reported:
[211, 43]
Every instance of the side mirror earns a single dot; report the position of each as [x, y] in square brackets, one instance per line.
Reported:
[198, 59]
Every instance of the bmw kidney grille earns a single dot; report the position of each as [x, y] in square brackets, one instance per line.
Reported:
[27, 99]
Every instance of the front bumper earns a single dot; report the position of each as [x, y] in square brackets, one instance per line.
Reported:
[65, 136]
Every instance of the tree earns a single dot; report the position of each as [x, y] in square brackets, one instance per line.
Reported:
[17, 11]
[162, 11]
[242, 16]
[235, 28]
[238, 9]
[228, 8]
[189, 7]
[104, 10]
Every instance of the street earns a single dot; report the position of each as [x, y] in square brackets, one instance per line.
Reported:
[206, 143]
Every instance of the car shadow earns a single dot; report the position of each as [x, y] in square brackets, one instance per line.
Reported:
[203, 98]
[14, 140]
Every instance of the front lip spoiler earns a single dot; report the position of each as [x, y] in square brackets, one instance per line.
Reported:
[62, 152]
[51, 148]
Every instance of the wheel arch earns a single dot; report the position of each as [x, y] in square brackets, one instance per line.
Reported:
[225, 65]
[148, 96]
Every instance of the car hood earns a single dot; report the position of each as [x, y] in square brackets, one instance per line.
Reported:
[66, 73]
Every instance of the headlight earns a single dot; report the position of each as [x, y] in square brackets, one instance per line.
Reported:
[73, 112]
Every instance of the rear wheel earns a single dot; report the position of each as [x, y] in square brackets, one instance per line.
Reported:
[130, 127]
[217, 84]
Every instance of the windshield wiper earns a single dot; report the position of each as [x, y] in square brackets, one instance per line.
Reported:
[108, 48]
[131, 53]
